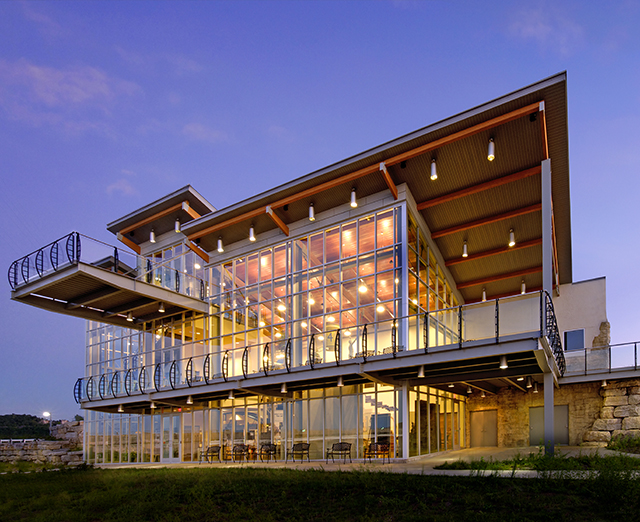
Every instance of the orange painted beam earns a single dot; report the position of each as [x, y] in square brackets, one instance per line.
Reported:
[187, 208]
[388, 180]
[198, 251]
[229, 222]
[487, 220]
[488, 253]
[479, 188]
[501, 277]
[133, 246]
[543, 129]
[281, 224]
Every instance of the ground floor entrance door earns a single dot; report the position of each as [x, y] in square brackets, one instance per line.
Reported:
[560, 425]
[484, 428]
[170, 438]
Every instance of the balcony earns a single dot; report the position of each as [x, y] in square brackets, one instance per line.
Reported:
[453, 349]
[80, 276]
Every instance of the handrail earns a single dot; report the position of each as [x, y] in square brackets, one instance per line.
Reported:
[79, 247]
[261, 360]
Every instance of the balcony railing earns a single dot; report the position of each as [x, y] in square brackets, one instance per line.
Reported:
[603, 359]
[75, 248]
[450, 329]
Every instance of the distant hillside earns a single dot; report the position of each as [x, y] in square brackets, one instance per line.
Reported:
[23, 427]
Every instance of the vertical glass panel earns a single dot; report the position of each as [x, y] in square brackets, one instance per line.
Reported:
[265, 265]
[366, 234]
[316, 416]
[148, 441]
[156, 449]
[186, 436]
[252, 269]
[366, 290]
[412, 232]
[348, 269]
[386, 420]
[316, 250]
[348, 242]
[385, 227]
[252, 425]
[350, 422]
[413, 423]
[332, 420]
[240, 269]
[332, 299]
[280, 264]
[332, 245]
[366, 265]
[300, 254]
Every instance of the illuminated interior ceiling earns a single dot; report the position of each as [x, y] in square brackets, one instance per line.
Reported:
[473, 199]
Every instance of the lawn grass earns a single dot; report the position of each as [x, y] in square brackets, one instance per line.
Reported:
[202, 494]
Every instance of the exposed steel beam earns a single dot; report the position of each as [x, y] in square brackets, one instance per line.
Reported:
[494, 252]
[485, 221]
[499, 277]
[480, 187]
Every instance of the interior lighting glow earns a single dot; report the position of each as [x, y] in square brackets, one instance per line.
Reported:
[421, 372]
[303, 324]
[197, 266]
[484, 295]
[261, 324]
[130, 317]
[523, 287]
[161, 308]
[380, 309]
[281, 307]
[331, 319]
[340, 381]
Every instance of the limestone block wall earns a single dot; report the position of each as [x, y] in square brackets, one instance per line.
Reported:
[41, 451]
[71, 431]
[619, 414]
[584, 401]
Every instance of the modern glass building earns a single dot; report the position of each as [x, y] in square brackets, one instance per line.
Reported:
[371, 301]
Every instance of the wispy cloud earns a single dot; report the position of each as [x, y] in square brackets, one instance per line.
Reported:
[199, 132]
[122, 186]
[280, 134]
[183, 64]
[39, 94]
[47, 26]
[179, 64]
[549, 27]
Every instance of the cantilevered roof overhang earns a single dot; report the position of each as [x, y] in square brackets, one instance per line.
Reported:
[88, 291]
[185, 205]
[473, 199]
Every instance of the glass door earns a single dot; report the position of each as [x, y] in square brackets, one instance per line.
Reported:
[171, 437]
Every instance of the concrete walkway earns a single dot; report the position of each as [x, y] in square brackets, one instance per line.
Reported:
[424, 465]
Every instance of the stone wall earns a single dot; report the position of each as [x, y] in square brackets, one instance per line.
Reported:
[619, 414]
[41, 451]
[71, 431]
[513, 405]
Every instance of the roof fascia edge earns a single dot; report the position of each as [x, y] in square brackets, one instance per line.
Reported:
[525, 91]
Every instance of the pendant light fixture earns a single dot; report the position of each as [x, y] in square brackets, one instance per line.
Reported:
[220, 247]
[231, 395]
[465, 253]
[152, 236]
[120, 409]
[484, 295]
[529, 382]
[252, 234]
[153, 405]
[189, 399]
[340, 382]
[354, 201]
[130, 317]
[523, 287]
[176, 226]
[421, 372]
[535, 387]
[483, 394]
[434, 173]
[283, 388]
[491, 152]
[512, 238]
[503, 362]
[469, 390]
[161, 307]
[312, 212]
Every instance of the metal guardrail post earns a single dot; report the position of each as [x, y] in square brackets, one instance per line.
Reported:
[497, 321]
[394, 338]
[425, 332]
[460, 327]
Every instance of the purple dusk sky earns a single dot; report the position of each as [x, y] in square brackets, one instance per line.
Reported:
[107, 106]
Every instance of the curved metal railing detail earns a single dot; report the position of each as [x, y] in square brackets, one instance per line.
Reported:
[553, 334]
[157, 376]
[128, 381]
[173, 374]
[394, 338]
[266, 359]
[102, 385]
[312, 351]
[206, 368]
[142, 379]
[115, 380]
[337, 347]
[77, 391]
[245, 362]
[287, 355]
[90, 388]
[188, 373]
[225, 366]
[364, 342]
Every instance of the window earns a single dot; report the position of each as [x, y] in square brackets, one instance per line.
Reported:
[574, 340]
